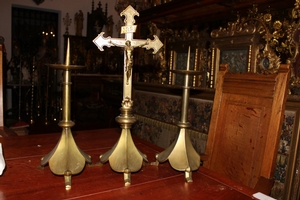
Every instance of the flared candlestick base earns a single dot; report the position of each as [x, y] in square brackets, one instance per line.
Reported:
[181, 155]
[66, 158]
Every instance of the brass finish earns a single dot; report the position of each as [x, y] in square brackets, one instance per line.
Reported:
[66, 158]
[124, 156]
[181, 154]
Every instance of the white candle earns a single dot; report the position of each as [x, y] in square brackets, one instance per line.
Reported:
[188, 59]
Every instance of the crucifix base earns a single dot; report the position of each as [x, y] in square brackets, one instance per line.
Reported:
[124, 156]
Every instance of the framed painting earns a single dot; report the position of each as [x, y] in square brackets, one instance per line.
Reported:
[236, 47]
[178, 61]
[238, 58]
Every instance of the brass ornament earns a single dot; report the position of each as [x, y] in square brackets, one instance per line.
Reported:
[268, 61]
[66, 158]
[124, 157]
[181, 154]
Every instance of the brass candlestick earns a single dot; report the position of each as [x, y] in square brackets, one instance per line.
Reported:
[66, 158]
[181, 154]
[124, 156]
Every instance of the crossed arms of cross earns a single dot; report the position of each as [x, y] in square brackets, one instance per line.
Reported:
[101, 41]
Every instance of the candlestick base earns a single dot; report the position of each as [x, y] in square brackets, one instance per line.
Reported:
[66, 158]
[181, 155]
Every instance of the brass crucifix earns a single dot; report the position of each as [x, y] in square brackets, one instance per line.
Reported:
[124, 156]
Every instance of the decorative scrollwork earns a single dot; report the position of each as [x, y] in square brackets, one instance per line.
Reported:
[127, 102]
[234, 29]
[268, 61]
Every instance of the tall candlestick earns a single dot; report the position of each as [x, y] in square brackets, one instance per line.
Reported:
[181, 153]
[188, 59]
[66, 158]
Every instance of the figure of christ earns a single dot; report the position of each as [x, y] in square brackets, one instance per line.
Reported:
[129, 59]
[128, 48]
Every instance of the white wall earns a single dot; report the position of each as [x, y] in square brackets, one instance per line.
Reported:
[60, 6]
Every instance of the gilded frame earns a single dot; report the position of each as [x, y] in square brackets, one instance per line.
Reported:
[292, 180]
[178, 61]
[237, 42]
[241, 56]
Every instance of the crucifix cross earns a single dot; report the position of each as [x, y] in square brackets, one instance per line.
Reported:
[128, 43]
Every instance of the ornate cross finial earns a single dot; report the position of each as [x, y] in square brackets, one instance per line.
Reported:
[129, 14]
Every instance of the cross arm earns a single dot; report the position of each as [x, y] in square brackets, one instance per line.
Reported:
[154, 44]
[100, 41]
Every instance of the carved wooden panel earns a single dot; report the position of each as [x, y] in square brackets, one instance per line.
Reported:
[235, 135]
[246, 124]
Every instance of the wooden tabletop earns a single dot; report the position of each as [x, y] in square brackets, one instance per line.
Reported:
[23, 177]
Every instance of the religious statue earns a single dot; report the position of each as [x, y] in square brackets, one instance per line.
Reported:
[153, 30]
[25, 72]
[161, 67]
[67, 22]
[78, 23]
[109, 26]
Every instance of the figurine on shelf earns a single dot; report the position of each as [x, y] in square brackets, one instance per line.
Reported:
[25, 73]
[110, 25]
[10, 70]
[153, 30]
[13, 71]
[162, 68]
[97, 27]
[67, 22]
[78, 23]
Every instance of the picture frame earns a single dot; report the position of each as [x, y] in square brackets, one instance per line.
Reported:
[238, 58]
[292, 177]
[178, 61]
[241, 46]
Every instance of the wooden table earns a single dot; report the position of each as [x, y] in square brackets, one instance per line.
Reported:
[24, 179]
